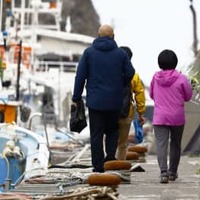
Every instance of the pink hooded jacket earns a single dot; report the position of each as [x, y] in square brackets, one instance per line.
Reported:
[169, 89]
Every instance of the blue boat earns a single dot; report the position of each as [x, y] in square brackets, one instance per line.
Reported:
[23, 154]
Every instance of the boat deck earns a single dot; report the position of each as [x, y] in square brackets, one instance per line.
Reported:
[69, 178]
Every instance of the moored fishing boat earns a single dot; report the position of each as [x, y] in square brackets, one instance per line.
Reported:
[23, 154]
[47, 57]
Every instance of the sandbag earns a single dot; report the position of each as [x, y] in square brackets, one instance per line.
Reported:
[138, 149]
[103, 179]
[117, 165]
[132, 155]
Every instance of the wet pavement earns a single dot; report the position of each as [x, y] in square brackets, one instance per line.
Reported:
[146, 185]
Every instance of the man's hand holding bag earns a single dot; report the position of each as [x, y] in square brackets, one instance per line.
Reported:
[78, 119]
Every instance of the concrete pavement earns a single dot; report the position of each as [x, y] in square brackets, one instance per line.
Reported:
[146, 185]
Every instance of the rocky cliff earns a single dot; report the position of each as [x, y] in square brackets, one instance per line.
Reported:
[83, 16]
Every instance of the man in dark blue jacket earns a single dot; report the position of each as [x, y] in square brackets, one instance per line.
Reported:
[105, 69]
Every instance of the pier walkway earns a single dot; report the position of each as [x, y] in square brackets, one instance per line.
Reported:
[146, 185]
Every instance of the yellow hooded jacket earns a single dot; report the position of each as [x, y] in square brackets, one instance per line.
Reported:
[138, 93]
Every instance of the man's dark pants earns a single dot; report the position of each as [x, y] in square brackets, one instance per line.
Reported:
[103, 122]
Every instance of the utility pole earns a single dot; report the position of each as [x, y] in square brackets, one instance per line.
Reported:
[195, 39]
[1, 14]
[18, 70]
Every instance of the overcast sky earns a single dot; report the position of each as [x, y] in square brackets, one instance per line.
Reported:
[148, 27]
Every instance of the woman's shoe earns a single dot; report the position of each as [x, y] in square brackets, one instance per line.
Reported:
[173, 176]
[164, 178]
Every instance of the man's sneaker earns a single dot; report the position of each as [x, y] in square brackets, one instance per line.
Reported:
[164, 178]
[173, 176]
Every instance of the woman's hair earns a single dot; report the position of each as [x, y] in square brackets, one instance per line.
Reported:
[167, 59]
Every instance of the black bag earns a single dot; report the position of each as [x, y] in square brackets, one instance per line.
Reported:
[78, 119]
[127, 97]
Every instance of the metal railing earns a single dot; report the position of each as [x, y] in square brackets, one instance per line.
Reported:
[63, 66]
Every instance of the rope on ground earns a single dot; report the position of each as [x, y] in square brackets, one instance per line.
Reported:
[88, 193]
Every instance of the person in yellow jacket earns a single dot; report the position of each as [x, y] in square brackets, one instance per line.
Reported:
[137, 100]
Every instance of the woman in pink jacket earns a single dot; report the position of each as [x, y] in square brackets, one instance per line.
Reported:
[169, 89]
